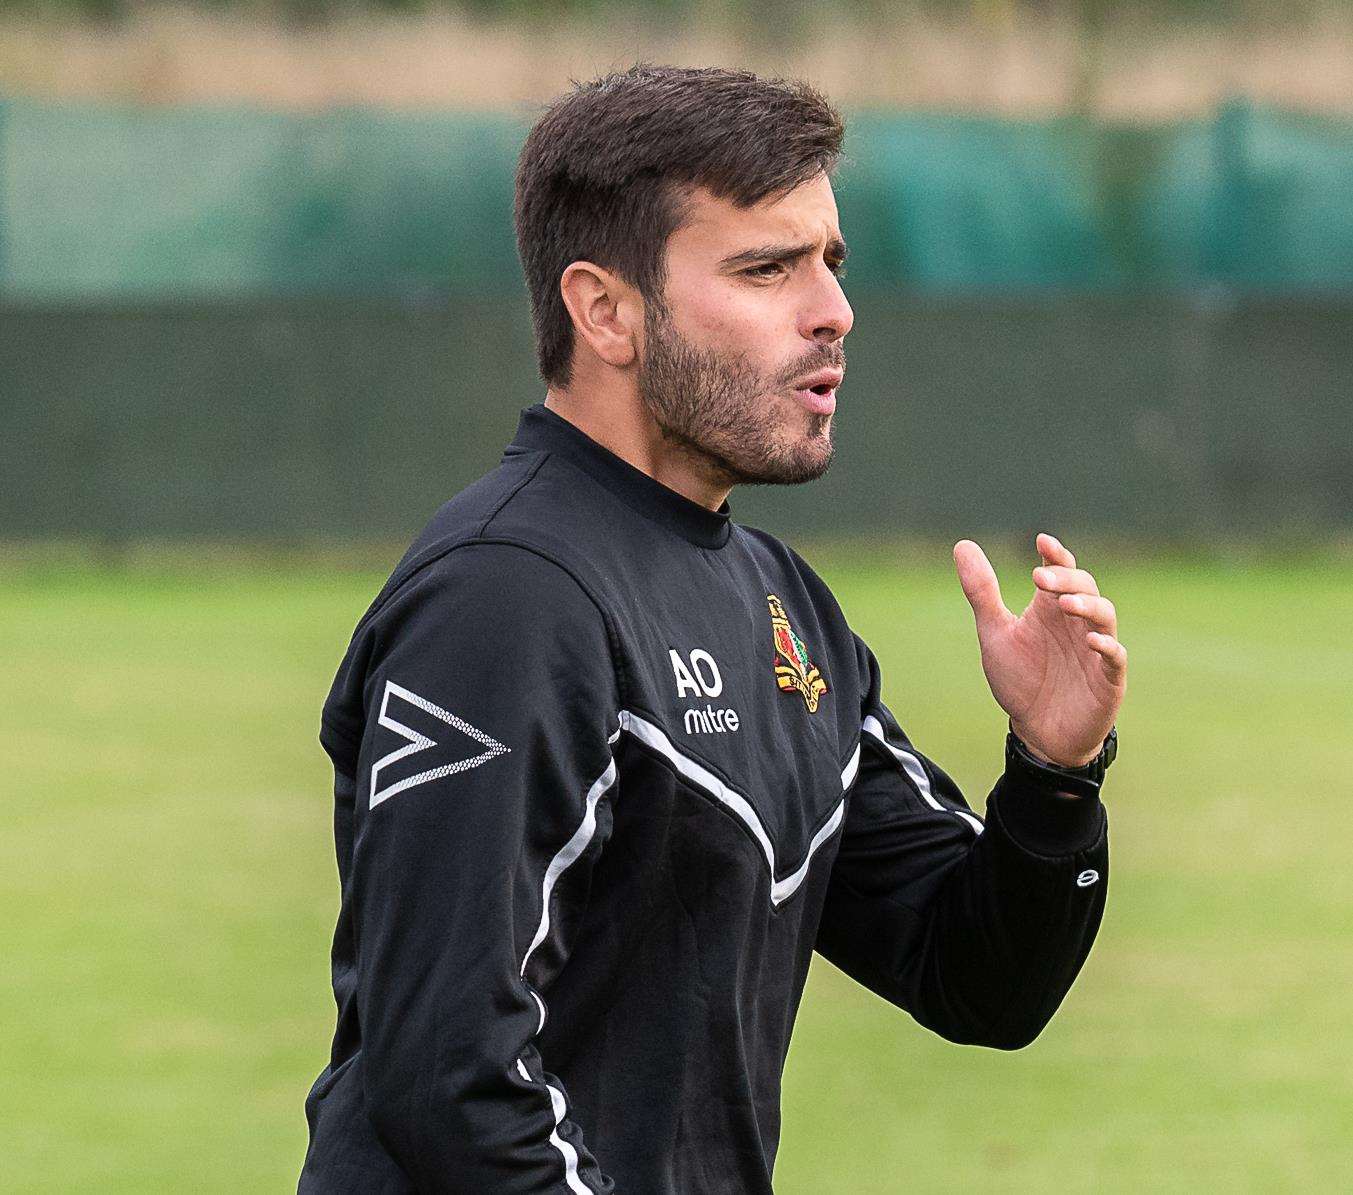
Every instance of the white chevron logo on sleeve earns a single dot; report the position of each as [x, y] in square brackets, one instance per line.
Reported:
[420, 742]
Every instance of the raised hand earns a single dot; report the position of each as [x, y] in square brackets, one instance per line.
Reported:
[1057, 669]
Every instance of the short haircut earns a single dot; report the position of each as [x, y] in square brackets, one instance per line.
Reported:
[605, 171]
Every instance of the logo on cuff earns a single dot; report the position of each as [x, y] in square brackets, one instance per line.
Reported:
[416, 741]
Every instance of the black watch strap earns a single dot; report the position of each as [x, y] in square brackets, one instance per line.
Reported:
[1083, 781]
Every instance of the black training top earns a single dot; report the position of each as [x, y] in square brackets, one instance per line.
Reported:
[609, 767]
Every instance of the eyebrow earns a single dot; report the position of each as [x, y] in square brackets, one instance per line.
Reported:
[785, 253]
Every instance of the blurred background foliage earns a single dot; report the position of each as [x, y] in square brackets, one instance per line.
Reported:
[1148, 59]
[1089, 13]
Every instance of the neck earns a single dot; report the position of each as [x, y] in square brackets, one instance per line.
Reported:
[622, 424]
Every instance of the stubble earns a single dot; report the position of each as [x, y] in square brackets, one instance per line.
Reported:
[721, 410]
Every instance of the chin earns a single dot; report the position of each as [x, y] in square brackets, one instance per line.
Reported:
[810, 460]
[818, 441]
[816, 467]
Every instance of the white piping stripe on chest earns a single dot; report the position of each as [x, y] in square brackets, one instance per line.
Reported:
[911, 766]
[699, 775]
[578, 842]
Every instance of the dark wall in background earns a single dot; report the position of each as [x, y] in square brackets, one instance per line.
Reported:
[312, 418]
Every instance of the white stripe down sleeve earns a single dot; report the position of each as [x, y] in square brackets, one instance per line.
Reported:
[487, 777]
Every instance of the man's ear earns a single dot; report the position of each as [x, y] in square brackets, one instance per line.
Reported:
[607, 313]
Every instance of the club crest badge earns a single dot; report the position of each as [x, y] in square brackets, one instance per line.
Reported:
[794, 671]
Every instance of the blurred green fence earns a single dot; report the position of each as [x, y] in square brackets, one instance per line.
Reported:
[115, 203]
[248, 323]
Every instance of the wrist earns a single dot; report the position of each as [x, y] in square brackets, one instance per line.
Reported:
[1045, 757]
[1077, 780]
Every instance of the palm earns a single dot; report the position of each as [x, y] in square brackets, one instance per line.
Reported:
[1057, 669]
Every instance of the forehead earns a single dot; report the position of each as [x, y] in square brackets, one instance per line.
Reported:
[716, 226]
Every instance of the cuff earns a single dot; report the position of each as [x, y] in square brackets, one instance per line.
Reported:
[1045, 823]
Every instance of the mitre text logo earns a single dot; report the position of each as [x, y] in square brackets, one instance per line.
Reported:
[698, 676]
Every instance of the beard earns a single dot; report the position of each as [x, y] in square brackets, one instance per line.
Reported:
[722, 410]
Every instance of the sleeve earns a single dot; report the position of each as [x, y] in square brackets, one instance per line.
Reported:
[483, 792]
[976, 930]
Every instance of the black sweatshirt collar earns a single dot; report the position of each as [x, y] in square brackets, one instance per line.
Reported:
[542, 429]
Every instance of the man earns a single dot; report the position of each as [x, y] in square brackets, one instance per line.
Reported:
[609, 767]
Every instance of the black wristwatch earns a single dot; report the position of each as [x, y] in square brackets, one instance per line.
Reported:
[1083, 781]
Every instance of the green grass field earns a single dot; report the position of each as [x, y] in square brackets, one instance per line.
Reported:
[169, 891]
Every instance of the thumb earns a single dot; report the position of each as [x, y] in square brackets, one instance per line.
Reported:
[979, 583]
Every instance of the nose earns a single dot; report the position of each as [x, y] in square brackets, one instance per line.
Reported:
[827, 317]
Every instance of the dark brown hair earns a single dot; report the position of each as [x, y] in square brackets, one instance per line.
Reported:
[604, 171]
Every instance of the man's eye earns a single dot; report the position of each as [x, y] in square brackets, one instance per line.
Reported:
[837, 268]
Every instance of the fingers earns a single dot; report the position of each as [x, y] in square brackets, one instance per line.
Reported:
[1059, 579]
[1112, 654]
[1098, 612]
[1078, 595]
[1053, 551]
[979, 582]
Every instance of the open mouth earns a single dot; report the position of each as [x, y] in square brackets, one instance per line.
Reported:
[820, 398]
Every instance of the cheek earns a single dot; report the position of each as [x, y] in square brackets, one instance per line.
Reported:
[721, 313]
[738, 325]
[711, 307]
[744, 326]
